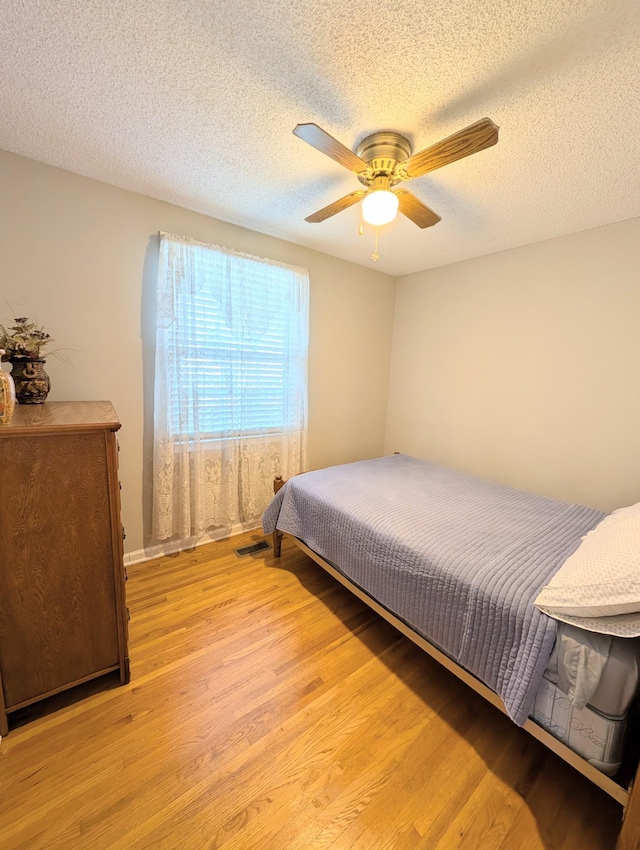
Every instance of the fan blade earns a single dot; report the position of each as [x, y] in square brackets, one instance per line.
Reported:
[476, 137]
[322, 141]
[414, 209]
[335, 207]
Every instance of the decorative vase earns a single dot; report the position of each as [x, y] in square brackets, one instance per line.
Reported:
[7, 395]
[32, 382]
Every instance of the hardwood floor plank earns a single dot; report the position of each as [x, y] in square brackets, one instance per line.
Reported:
[344, 768]
[327, 722]
[269, 708]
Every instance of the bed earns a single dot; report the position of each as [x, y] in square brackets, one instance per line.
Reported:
[457, 564]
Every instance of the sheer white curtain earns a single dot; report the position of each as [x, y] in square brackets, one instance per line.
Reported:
[230, 403]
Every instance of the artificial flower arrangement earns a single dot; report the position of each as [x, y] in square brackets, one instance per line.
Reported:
[25, 340]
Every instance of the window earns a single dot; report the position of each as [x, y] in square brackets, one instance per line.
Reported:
[239, 362]
[230, 403]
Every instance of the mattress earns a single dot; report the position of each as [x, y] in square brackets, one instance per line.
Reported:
[596, 737]
[586, 693]
[596, 670]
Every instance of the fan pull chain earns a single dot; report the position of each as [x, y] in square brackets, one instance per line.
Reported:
[375, 256]
[361, 228]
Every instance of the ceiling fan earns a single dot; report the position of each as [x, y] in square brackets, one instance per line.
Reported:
[383, 160]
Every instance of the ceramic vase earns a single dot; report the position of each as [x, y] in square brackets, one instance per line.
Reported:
[7, 395]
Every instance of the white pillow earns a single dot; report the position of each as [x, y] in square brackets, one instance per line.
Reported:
[598, 587]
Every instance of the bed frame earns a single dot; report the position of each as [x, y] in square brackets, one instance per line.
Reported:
[630, 834]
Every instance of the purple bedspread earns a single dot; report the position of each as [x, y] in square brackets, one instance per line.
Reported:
[457, 558]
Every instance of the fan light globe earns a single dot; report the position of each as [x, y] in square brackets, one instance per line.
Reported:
[379, 207]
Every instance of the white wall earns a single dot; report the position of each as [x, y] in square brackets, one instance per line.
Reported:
[524, 366]
[520, 366]
[80, 256]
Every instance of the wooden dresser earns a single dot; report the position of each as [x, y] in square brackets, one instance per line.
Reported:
[63, 617]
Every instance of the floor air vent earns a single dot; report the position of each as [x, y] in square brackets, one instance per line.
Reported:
[260, 546]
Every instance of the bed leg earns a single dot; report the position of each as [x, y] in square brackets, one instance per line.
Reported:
[278, 482]
[277, 543]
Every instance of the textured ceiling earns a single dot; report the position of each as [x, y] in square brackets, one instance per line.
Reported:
[194, 101]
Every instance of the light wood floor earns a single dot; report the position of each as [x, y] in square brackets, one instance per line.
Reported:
[268, 708]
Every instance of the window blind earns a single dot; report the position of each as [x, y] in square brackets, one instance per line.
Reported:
[237, 352]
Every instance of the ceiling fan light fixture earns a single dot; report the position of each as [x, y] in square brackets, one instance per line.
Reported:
[380, 205]
[383, 160]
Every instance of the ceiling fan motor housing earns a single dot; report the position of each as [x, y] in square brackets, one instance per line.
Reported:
[382, 151]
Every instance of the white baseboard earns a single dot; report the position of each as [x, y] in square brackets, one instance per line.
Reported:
[172, 547]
